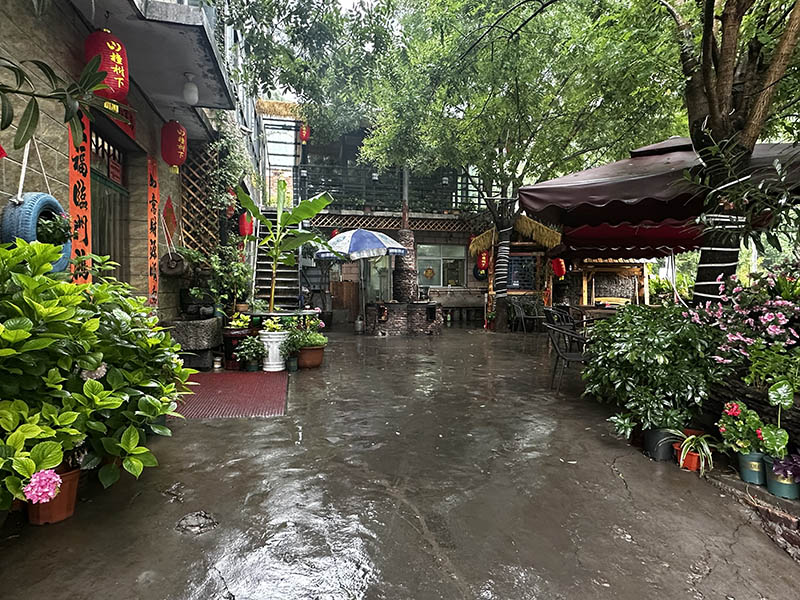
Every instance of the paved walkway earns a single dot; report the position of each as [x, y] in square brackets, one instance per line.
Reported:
[406, 469]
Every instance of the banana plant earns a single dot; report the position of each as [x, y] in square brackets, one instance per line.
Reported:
[280, 241]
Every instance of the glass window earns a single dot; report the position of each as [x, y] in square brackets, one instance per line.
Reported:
[440, 265]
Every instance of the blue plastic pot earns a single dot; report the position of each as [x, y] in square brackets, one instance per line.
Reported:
[751, 467]
[782, 487]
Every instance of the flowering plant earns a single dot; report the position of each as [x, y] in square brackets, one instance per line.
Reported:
[43, 486]
[741, 428]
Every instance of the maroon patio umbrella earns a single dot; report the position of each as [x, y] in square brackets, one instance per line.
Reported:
[648, 197]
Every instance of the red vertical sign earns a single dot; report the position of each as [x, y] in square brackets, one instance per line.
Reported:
[80, 201]
[153, 199]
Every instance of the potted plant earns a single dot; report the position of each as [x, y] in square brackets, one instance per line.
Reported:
[694, 451]
[742, 431]
[250, 351]
[237, 330]
[312, 349]
[786, 477]
[774, 440]
[290, 348]
[273, 335]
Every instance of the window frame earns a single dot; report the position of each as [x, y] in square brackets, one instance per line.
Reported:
[440, 258]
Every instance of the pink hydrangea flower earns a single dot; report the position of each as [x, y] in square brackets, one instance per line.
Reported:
[43, 487]
[321, 324]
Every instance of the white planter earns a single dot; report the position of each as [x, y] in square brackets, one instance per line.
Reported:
[272, 341]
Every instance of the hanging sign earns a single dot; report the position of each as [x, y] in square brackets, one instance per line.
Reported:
[80, 202]
[114, 170]
[153, 199]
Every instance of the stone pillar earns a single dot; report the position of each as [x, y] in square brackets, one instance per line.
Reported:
[406, 288]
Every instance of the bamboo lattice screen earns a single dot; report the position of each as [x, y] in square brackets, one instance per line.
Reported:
[199, 221]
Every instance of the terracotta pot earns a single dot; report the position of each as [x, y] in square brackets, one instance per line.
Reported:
[311, 357]
[242, 307]
[692, 460]
[62, 506]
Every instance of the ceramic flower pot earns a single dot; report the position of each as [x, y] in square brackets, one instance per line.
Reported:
[751, 468]
[783, 487]
[272, 341]
[657, 444]
[691, 461]
[310, 357]
[59, 508]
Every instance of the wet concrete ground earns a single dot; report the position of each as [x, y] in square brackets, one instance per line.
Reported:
[416, 468]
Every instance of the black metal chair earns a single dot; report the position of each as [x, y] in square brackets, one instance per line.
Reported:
[521, 317]
[564, 341]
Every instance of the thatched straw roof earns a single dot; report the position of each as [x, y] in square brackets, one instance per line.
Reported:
[533, 230]
[278, 108]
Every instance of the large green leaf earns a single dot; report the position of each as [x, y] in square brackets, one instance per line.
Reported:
[308, 209]
[247, 203]
[293, 242]
[130, 439]
[108, 475]
[47, 455]
[6, 112]
[27, 124]
[24, 466]
[36, 344]
[14, 485]
[133, 466]
[781, 393]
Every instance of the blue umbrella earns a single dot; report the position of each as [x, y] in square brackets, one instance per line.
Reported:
[360, 243]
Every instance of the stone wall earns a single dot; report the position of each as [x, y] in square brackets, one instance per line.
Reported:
[403, 319]
[57, 38]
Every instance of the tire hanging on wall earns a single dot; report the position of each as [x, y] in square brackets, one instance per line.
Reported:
[20, 220]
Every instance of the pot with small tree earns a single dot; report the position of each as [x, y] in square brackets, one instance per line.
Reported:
[250, 351]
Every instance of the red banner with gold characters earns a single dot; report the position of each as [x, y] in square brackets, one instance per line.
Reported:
[153, 200]
[80, 201]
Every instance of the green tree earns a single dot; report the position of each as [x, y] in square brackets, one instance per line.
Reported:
[545, 93]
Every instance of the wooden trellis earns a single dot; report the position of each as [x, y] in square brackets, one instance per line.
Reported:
[199, 221]
[381, 222]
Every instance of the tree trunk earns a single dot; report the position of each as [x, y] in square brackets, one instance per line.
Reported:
[504, 228]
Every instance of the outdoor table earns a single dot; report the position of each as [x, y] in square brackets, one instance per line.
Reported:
[598, 312]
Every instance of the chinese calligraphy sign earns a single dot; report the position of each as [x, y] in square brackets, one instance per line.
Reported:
[153, 200]
[80, 202]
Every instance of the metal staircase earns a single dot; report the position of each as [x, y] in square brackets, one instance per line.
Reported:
[287, 286]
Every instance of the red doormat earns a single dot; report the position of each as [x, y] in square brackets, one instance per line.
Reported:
[232, 394]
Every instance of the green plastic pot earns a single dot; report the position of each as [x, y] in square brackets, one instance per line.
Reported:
[782, 487]
[291, 364]
[252, 366]
[751, 467]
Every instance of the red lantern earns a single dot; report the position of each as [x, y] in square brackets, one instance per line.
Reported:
[173, 144]
[245, 224]
[305, 133]
[483, 260]
[334, 233]
[113, 60]
[559, 268]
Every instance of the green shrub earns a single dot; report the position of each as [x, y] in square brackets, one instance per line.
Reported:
[85, 366]
[654, 364]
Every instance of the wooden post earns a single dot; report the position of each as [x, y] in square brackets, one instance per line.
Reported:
[584, 288]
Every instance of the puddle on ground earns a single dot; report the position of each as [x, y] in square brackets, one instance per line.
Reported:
[197, 523]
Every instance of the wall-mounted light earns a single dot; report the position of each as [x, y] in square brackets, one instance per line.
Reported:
[191, 94]
[374, 177]
[303, 173]
[445, 181]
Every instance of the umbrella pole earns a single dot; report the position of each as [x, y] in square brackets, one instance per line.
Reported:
[363, 291]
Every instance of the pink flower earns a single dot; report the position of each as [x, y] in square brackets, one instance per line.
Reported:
[723, 361]
[775, 330]
[318, 309]
[732, 409]
[719, 277]
[759, 434]
[321, 324]
[722, 429]
[782, 320]
[737, 289]
[43, 487]
[767, 317]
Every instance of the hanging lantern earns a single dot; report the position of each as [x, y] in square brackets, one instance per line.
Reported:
[334, 233]
[305, 133]
[559, 268]
[173, 144]
[245, 224]
[483, 260]
[114, 61]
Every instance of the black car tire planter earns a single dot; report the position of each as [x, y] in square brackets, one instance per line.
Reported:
[20, 220]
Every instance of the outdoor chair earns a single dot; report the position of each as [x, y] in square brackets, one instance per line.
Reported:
[569, 347]
[521, 317]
